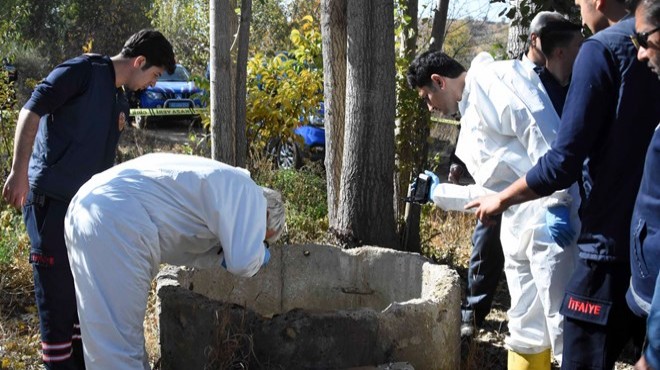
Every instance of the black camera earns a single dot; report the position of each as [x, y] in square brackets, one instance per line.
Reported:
[419, 192]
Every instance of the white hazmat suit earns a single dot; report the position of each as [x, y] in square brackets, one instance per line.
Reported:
[507, 123]
[158, 208]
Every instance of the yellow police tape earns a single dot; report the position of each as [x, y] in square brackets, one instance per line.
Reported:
[166, 111]
[444, 120]
[188, 111]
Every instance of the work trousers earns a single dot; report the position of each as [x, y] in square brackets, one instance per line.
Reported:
[598, 323]
[53, 283]
[484, 271]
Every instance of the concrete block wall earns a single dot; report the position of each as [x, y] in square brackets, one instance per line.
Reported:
[314, 307]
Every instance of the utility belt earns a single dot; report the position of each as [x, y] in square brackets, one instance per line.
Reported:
[39, 198]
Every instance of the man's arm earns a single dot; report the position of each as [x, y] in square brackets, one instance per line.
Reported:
[17, 185]
[492, 205]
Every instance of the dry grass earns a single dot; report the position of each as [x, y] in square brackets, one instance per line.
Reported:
[19, 324]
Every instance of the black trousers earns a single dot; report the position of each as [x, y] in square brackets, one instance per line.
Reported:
[597, 321]
[486, 265]
[53, 283]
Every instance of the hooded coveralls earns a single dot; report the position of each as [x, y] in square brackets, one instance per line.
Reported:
[507, 123]
[159, 208]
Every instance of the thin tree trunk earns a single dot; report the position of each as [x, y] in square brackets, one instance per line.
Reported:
[241, 76]
[366, 211]
[439, 25]
[223, 114]
[333, 30]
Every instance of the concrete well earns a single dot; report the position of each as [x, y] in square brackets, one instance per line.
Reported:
[313, 307]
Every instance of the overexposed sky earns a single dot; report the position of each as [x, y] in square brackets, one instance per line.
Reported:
[478, 9]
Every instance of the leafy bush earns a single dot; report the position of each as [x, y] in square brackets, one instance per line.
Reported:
[304, 192]
[31, 65]
[282, 89]
[14, 242]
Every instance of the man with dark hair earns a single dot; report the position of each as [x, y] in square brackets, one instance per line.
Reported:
[553, 34]
[534, 57]
[609, 117]
[507, 123]
[67, 132]
[560, 42]
[644, 292]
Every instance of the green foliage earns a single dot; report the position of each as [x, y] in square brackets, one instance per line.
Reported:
[297, 11]
[269, 28]
[413, 118]
[283, 88]
[458, 41]
[8, 116]
[305, 194]
[14, 239]
[30, 64]
[185, 23]
[527, 9]
[14, 242]
[60, 28]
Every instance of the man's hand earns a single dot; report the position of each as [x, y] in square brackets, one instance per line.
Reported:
[487, 207]
[558, 223]
[16, 189]
[642, 364]
[455, 173]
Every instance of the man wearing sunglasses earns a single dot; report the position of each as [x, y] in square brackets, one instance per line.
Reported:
[607, 123]
[644, 292]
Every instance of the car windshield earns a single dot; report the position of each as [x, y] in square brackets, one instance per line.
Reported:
[180, 74]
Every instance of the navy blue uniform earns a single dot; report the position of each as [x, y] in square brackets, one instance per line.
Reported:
[82, 114]
[645, 233]
[644, 292]
[555, 90]
[484, 271]
[609, 117]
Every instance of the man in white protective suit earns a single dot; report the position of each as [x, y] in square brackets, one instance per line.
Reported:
[158, 208]
[507, 123]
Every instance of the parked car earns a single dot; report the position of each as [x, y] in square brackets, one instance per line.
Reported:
[289, 154]
[176, 90]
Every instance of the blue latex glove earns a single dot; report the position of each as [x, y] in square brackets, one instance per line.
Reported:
[434, 183]
[558, 222]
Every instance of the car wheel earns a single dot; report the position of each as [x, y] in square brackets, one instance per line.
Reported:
[141, 122]
[288, 155]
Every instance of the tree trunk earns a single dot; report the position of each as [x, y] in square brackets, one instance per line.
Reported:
[223, 107]
[410, 213]
[366, 210]
[333, 30]
[241, 76]
[519, 28]
[439, 25]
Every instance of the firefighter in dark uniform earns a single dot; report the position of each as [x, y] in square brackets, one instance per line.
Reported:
[67, 132]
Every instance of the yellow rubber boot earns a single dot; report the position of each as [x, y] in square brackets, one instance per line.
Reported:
[524, 361]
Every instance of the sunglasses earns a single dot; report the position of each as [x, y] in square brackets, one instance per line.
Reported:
[642, 39]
